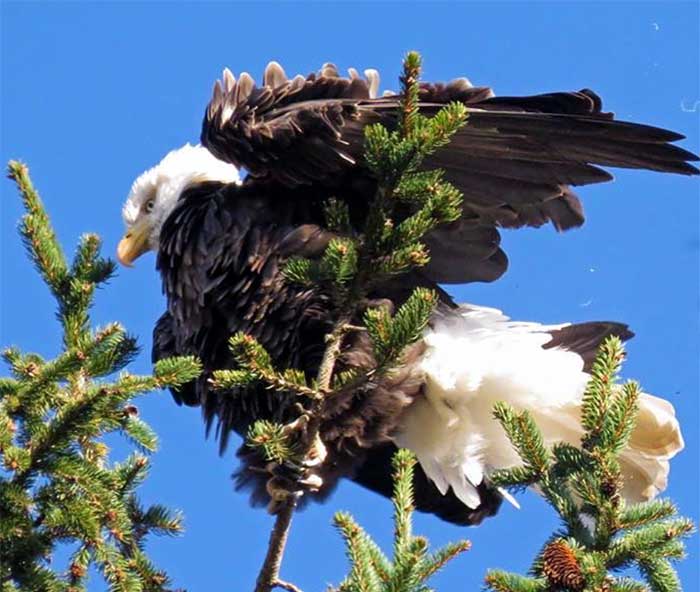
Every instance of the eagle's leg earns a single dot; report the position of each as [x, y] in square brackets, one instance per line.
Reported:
[295, 478]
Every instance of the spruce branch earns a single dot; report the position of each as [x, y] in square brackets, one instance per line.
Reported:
[586, 482]
[38, 234]
[411, 566]
[59, 485]
[268, 576]
[272, 438]
[501, 581]
[368, 564]
[526, 438]
[639, 514]
[408, 115]
[337, 216]
[598, 395]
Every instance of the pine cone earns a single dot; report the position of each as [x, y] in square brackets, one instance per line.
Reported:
[561, 568]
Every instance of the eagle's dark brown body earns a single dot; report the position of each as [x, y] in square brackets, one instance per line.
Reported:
[222, 251]
[223, 247]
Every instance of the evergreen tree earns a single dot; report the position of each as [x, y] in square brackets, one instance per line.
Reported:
[59, 486]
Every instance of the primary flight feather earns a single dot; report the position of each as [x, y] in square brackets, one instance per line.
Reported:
[221, 245]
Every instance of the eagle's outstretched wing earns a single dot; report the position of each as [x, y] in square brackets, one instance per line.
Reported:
[287, 130]
[515, 161]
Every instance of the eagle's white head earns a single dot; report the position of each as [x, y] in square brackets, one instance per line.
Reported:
[155, 193]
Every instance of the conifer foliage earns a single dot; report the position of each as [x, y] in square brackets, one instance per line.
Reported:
[412, 566]
[600, 534]
[58, 485]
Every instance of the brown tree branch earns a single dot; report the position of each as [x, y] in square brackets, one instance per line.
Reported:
[269, 572]
[268, 577]
[287, 586]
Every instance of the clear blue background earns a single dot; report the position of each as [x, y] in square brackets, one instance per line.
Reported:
[94, 93]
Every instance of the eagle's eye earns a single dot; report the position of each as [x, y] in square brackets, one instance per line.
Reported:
[148, 208]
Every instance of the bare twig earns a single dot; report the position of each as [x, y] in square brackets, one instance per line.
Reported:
[330, 355]
[286, 586]
[268, 578]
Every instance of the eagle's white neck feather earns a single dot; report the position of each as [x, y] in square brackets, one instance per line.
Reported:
[165, 183]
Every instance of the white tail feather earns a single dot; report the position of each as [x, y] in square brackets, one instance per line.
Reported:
[372, 77]
[481, 357]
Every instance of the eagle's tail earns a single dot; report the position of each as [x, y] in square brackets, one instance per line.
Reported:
[656, 438]
[478, 357]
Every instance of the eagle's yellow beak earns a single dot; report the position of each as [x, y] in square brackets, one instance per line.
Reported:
[134, 244]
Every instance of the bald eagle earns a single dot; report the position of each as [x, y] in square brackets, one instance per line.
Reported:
[221, 243]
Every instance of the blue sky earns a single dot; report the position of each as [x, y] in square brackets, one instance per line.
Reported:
[94, 93]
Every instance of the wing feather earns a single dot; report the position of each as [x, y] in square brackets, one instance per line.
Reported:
[515, 161]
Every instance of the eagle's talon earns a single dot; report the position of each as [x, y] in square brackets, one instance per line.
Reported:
[289, 470]
[280, 494]
[295, 478]
[312, 482]
[317, 453]
[298, 425]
